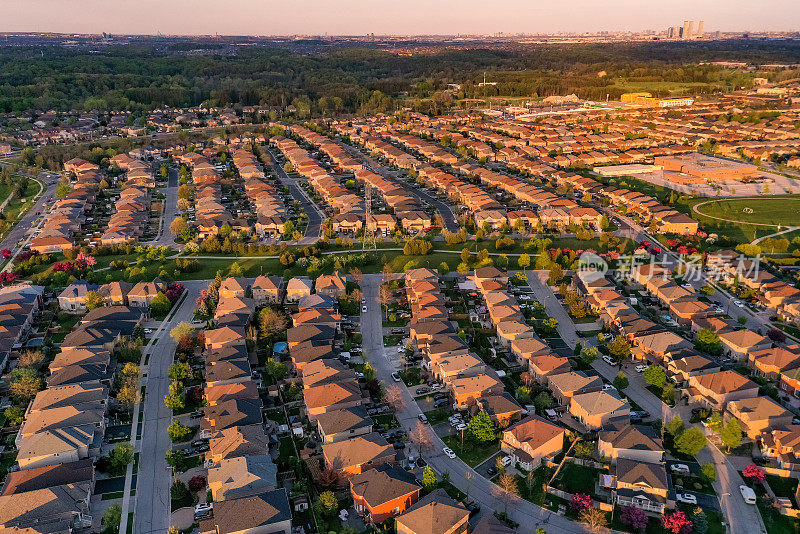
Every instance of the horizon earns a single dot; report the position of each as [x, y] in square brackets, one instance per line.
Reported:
[349, 18]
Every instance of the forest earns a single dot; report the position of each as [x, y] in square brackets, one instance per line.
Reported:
[362, 80]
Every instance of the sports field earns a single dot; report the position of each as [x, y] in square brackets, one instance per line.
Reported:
[769, 211]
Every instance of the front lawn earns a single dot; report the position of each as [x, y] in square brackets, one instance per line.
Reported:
[472, 453]
[783, 486]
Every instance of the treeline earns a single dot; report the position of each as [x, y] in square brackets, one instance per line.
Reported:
[356, 80]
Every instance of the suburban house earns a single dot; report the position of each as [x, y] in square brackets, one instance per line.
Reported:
[598, 409]
[640, 484]
[346, 423]
[358, 454]
[264, 513]
[634, 442]
[436, 513]
[740, 343]
[716, 390]
[758, 415]
[532, 439]
[383, 492]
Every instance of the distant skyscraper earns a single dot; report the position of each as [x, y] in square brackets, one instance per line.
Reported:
[687, 29]
[700, 29]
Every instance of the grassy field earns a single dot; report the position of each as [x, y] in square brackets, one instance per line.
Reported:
[674, 88]
[777, 211]
[472, 453]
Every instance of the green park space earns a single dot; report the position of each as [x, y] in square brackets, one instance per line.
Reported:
[777, 210]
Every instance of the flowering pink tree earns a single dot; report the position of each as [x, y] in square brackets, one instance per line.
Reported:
[677, 523]
[754, 473]
[635, 517]
[86, 260]
[7, 277]
[6, 253]
[580, 501]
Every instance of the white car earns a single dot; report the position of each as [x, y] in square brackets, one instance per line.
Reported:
[461, 426]
[363, 309]
[401, 349]
[640, 368]
[680, 468]
[449, 452]
[505, 460]
[738, 303]
[606, 387]
[608, 360]
[686, 498]
[148, 330]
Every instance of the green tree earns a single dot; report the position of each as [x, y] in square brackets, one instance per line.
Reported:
[524, 261]
[708, 341]
[160, 305]
[62, 190]
[621, 381]
[674, 426]
[93, 300]
[276, 370]
[731, 434]
[709, 471]
[121, 455]
[328, 503]
[179, 371]
[178, 491]
[655, 376]
[181, 330]
[481, 428]
[543, 401]
[111, 519]
[715, 422]
[178, 431]
[174, 399]
[14, 415]
[691, 441]
[556, 275]
[619, 348]
[25, 384]
[175, 458]
[429, 479]
[699, 521]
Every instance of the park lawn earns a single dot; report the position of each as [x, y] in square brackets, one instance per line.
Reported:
[472, 453]
[674, 88]
[439, 415]
[777, 210]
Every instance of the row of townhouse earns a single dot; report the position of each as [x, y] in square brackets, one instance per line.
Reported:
[637, 475]
[131, 218]
[701, 378]
[210, 214]
[20, 305]
[242, 477]
[345, 204]
[772, 292]
[265, 200]
[64, 428]
[68, 214]
[72, 298]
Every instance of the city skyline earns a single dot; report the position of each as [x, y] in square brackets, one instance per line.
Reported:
[415, 17]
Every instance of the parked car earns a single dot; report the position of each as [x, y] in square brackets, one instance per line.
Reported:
[608, 359]
[506, 460]
[420, 390]
[363, 309]
[640, 368]
[396, 377]
[686, 498]
[682, 469]
[472, 506]
[422, 418]
[441, 402]
[449, 453]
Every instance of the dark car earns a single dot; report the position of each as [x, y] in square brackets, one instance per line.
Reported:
[472, 506]
[441, 402]
[491, 471]
[420, 390]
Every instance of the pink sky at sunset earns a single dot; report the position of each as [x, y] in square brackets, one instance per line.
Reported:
[358, 17]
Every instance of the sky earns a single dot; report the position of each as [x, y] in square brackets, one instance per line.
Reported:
[389, 17]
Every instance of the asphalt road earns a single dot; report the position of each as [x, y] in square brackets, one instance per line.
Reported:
[450, 220]
[165, 237]
[315, 215]
[488, 495]
[17, 235]
[152, 508]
